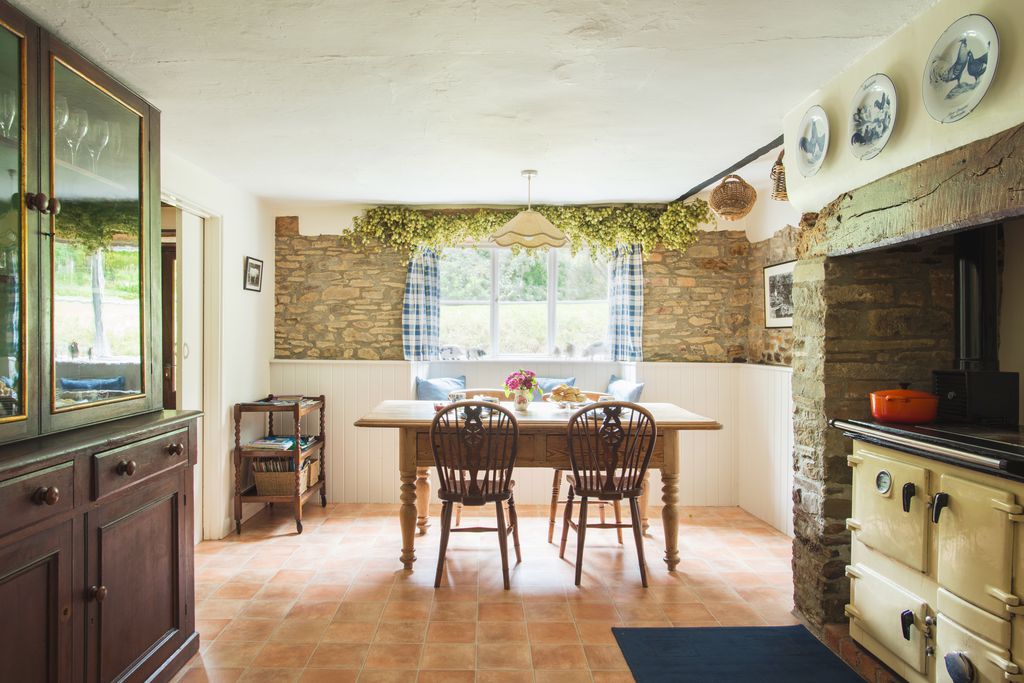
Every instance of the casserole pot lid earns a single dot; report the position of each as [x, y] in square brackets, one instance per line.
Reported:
[902, 393]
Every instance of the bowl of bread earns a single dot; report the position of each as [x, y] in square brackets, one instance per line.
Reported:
[567, 397]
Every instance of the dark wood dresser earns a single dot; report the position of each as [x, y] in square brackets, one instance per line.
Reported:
[96, 552]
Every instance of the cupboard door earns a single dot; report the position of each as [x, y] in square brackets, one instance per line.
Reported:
[973, 521]
[137, 581]
[19, 225]
[98, 290]
[890, 507]
[35, 591]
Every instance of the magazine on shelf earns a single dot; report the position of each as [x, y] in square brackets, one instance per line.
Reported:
[271, 443]
[279, 464]
[284, 401]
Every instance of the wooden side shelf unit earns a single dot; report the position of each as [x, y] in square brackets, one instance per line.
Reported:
[297, 408]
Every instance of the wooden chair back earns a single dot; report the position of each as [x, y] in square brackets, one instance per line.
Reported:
[474, 445]
[610, 447]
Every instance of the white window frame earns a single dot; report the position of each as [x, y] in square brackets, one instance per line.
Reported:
[552, 302]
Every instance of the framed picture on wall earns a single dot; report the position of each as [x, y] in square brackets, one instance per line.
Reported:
[253, 274]
[778, 295]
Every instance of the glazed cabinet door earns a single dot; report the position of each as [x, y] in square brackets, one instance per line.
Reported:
[21, 208]
[102, 247]
[35, 591]
[137, 580]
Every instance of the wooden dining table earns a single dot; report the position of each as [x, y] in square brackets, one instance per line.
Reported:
[542, 444]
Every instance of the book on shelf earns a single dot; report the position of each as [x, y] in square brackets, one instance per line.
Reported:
[278, 443]
[279, 464]
[271, 443]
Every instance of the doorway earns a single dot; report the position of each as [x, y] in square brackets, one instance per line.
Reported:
[183, 260]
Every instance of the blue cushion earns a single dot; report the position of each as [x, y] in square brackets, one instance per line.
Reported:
[98, 384]
[624, 390]
[437, 389]
[549, 383]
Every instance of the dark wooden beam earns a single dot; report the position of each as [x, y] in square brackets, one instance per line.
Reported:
[756, 154]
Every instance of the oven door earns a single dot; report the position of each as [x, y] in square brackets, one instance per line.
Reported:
[963, 656]
[890, 614]
[890, 507]
[974, 538]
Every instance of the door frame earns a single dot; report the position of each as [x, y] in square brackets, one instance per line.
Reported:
[215, 471]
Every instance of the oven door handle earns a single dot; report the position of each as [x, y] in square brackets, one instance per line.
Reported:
[940, 501]
[909, 491]
[1007, 666]
[906, 621]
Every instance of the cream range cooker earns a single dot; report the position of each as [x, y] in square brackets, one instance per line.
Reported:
[937, 557]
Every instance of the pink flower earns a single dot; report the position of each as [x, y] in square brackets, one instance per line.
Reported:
[513, 383]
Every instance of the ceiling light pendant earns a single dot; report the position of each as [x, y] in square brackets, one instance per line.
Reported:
[529, 228]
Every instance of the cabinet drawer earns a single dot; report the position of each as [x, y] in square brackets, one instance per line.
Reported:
[119, 468]
[36, 496]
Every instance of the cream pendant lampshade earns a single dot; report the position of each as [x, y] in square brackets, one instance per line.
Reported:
[529, 229]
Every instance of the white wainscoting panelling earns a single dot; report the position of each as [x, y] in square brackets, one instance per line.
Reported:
[747, 463]
[765, 445]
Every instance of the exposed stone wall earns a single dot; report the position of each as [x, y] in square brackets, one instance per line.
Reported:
[769, 346]
[334, 303]
[868, 321]
[896, 325]
[697, 303]
[702, 305]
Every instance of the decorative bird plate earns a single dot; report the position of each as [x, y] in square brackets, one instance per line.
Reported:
[872, 116]
[812, 146]
[960, 68]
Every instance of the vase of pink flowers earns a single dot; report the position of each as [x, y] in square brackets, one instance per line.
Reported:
[521, 385]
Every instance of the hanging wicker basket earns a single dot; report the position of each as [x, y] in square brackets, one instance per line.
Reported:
[733, 198]
[778, 176]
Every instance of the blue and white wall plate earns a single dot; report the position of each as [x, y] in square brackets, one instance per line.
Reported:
[960, 68]
[812, 146]
[872, 116]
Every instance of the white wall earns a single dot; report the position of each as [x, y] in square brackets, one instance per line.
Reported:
[1011, 333]
[916, 136]
[746, 463]
[245, 326]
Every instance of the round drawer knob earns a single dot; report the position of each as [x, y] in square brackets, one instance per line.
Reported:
[176, 448]
[46, 495]
[959, 667]
[126, 468]
[98, 593]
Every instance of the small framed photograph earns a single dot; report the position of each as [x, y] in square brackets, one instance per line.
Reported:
[778, 295]
[253, 274]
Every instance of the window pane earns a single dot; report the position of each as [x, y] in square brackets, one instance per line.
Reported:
[465, 302]
[522, 297]
[581, 315]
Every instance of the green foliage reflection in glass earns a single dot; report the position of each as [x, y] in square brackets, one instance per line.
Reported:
[11, 341]
[97, 317]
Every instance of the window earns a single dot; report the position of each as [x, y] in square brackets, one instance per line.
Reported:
[498, 303]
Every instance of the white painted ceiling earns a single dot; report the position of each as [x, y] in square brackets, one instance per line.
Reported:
[444, 101]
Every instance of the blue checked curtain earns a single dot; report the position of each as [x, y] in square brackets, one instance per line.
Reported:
[626, 304]
[421, 310]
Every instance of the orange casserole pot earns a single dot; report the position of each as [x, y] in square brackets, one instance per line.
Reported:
[904, 405]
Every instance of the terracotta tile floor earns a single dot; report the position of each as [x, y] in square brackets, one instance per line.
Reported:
[333, 604]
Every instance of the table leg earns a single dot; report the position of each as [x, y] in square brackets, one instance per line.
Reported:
[407, 513]
[670, 497]
[645, 499]
[422, 500]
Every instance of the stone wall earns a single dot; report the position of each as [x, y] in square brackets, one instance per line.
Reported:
[895, 325]
[334, 303]
[769, 346]
[697, 303]
[702, 305]
[868, 321]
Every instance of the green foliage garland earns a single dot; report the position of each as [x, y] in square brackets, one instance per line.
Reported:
[600, 228]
